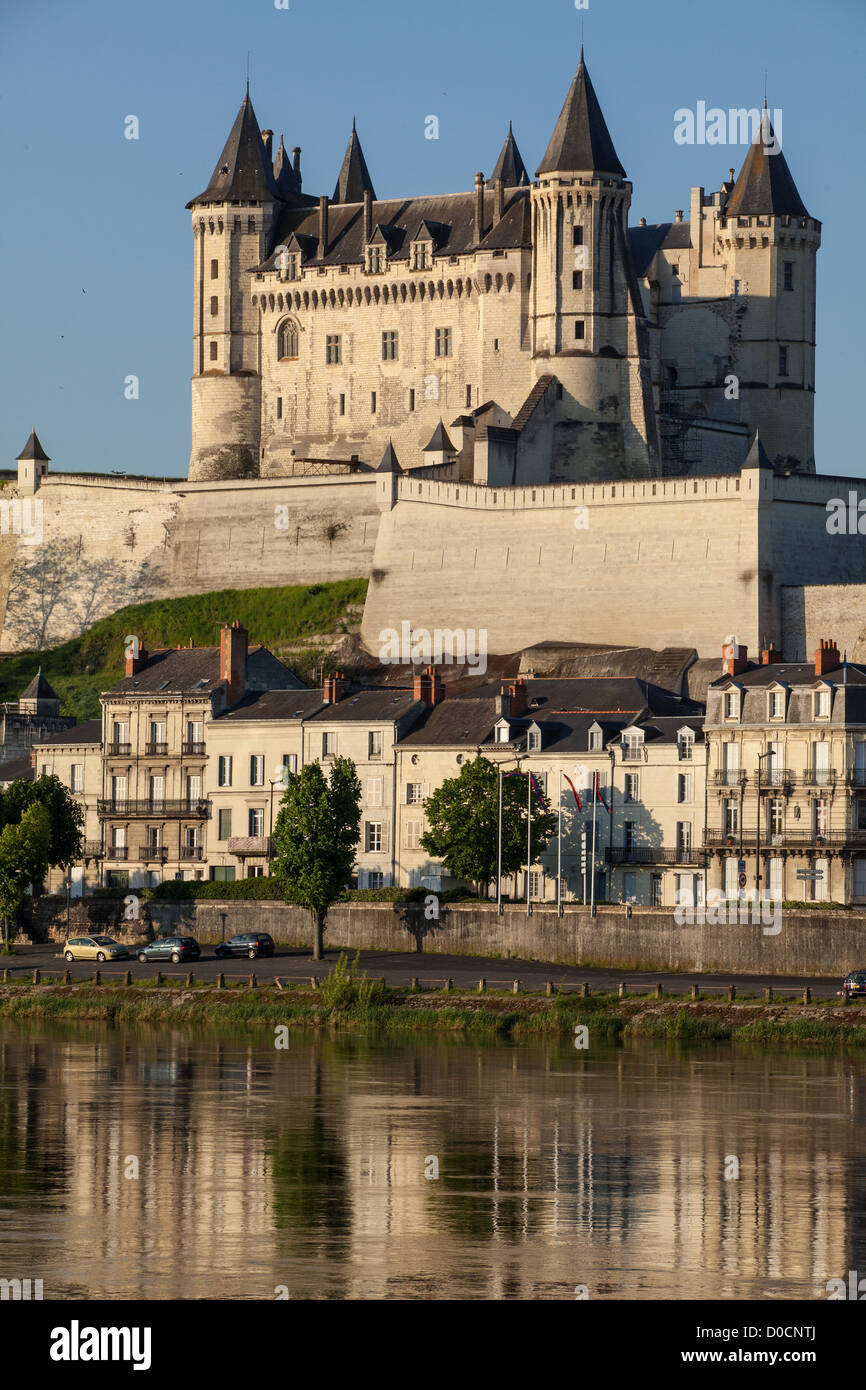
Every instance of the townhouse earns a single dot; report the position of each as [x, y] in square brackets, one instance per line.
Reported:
[74, 756]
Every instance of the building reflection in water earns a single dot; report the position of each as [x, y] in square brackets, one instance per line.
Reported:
[306, 1168]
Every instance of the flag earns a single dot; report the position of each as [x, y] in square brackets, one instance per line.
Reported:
[573, 791]
[600, 796]
[536, 788]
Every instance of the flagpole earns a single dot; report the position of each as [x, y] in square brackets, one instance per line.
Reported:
[559, 853]
[528, 835]
[592, 865]
[499, 850]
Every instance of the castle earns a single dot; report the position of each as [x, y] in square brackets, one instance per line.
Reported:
[520, 332]
[512, 411]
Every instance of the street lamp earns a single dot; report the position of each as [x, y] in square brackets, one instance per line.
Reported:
[281, 780]
[761, 757]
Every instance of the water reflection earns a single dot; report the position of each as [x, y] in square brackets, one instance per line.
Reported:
[306, 1168]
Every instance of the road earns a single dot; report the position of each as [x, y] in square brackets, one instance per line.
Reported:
[399, 968]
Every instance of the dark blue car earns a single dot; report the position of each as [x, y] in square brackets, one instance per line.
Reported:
[173, 948]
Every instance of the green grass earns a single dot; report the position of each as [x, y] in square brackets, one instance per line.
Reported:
[82, 668]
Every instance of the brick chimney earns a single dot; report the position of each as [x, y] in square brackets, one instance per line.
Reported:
[518, 698]
[826, 657]
[735, 658]
[334, 688]
[771, 656]
[498, 200]
[503, 702]
[427, 686]
[135, 663]
[233, 661]
[323, 226]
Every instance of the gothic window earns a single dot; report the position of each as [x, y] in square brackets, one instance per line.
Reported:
[422, 255]
[375, 260]
[287, 340]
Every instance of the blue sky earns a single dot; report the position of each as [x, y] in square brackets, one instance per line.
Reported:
[97, 246]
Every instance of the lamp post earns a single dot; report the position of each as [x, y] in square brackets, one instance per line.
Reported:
[517, 761]
[279, 780]
[761, 757]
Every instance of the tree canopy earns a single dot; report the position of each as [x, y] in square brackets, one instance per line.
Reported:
[316, 837]
[65, 816]
[462, 818]
[24, 847]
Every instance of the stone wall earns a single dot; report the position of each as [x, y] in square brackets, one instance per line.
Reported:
[809, 943]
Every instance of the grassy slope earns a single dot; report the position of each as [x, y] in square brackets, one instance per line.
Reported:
[80, 669]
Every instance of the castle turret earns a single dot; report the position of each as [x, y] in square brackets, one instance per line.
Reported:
[32, 466]
[770, 245]
[232, 223]
[354, 177]
[588, 317]
[509, 167]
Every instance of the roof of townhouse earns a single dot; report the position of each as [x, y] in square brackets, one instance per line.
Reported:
[16, 770]
[196, 670]
[578, 694]
[369, 706]
[667, 729]
[88, 732]
[795, 673]
[262, 706]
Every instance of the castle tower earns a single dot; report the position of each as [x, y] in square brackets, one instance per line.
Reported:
[588, 318]
[232, 224]
[509, 167]
[770, 245]
[354, 179]
[32, 466]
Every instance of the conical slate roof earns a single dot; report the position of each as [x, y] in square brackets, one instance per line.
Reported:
[764, 186]
[34, 450]
[243, 171]
[390, 463]
[440, 443]
[509, 167]
[38, 689]
[284, 174]
[757, 457]
[581, 140]
[354, 175]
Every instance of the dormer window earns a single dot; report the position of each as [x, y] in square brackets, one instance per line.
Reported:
[732, 704]
[376, 260]
[822, 704]
[632, 745]
[685, 745]
[776, 704]
[422, 255]
[533, 739]
[594, 739]
[503, 731]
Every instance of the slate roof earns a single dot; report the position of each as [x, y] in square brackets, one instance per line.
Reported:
[369, 706]
[510, 167]
[757, 457]
[90, 732]
[581, 140]
[463, 719]
[764, 185]
[243, 171]
[285, 705]
[794, 673]
[196, 670]
[389, 462]
[354, 176]
[610, 695]
[39, 689]
[284, 174]
[34, 450]
[644, 242]
[16, 770]
[440, 443]
[399, 219]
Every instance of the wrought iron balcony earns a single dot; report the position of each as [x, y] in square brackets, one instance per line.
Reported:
[155, 750]
[198, 809]
[729, 776]
[654, 854]
[118, 750]
[250, 845]
[819, 777]
[802, 841]
[118, 852]
[153, 852]
[191, 852]
[92, 849]
[193, 750]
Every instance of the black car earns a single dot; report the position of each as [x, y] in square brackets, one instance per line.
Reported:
[854, 985]
[251, 943]
[174, 948]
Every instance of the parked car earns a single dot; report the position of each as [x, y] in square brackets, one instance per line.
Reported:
[174, 948]
[854, 985]
[94, 948]
[251, 943]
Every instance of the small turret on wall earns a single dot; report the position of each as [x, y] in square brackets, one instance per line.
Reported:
[32, 466]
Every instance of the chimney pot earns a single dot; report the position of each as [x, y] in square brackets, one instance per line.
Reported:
[770, 656]
[479, 206]
[735, 658]
[826, 657]
[368, 215]
[234, 644]
[135, 663]
[498, 200]
[427, 686]
[679, 214]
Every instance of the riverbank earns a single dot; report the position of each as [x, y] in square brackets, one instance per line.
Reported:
[404, 1011]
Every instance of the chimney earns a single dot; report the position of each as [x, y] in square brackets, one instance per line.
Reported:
[642, 222]
[498, 200]
[503, 703]
[479, 206]
[826, 657]
[518, 697]
[135, 663]
[679, 214]
[334, 688]
[427, 686]
[771, 656]
[296, 164]
[233, 661]
[735, 658]
[323, 225]
[368, 215]
[267, 138]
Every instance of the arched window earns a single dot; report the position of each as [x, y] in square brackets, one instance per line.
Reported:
[287, 339]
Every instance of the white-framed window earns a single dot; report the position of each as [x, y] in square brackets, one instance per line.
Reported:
[777, 878]
[375, 791]
[732, 878]
[821, 815]
[777, 704]
[632, 745]
[256, 822]
[822, 704]
[375, 878]
[593, 741]
[536, 884]
[76, 777]
[533, 741]
[257, 770]
[732, 818]
[416, 793]
[821, 764]
[118, 837]
[632, 787]
[685, 745]
[656, 890]
[731, 754]
[503, 733]
[684, 836]
[732, 704]
[329, 745]
[684, 786]
[374, 839]
[629, 832]
[412, 832]
[375, 260]
[374, 743]
[290, 763]
[775, 808]
[118, 790]
[224, 771]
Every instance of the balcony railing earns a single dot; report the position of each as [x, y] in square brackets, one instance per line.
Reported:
[153, 750]
[153, 852]
[632, 754]
[819, 777]
[190, 852]
[119, 852]
[729, 776]
[92, 850]
[192, 749]
[801, 840]
[258, 846]
[648, 854]
[118, 750]
[198, 809]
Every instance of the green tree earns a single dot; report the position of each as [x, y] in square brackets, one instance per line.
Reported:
[315, 837]
[462, 818]
[23, 860]
[65, 815]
